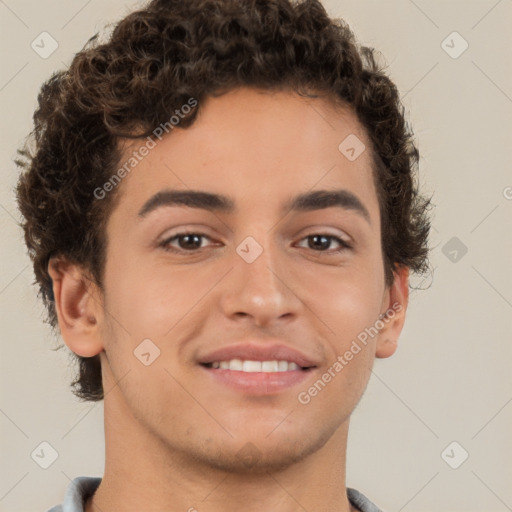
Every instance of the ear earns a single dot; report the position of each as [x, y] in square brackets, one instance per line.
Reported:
[394, 307]
[78, 303]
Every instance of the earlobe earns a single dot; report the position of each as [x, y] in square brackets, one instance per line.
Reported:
[78, 307]
[394, 309]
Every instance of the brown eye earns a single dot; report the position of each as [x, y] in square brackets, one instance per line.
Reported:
[321, 243]
[187, 242]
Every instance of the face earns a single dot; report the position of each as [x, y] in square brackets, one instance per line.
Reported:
[216, 291]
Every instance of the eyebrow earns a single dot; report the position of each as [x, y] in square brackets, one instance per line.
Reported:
[309, 201]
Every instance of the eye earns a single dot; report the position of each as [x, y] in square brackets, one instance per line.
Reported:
[187, 242]
[191, 242]
[320, 242]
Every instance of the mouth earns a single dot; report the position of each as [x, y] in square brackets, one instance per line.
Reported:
[257, 370]
[252, 366]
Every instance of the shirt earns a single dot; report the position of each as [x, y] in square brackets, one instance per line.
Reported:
[82, 487]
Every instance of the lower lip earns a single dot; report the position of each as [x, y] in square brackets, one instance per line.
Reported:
[258, 383]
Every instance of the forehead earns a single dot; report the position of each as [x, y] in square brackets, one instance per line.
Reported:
[259, 147]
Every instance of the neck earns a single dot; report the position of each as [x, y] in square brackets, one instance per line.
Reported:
[143, 473]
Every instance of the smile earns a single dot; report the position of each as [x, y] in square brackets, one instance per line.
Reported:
[255, 366]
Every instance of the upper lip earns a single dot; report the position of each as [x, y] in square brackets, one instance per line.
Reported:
[257, 351]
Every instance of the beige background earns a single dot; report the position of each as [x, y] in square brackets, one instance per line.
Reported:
[450, 379]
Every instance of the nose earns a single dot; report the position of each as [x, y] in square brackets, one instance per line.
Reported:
[261, 291]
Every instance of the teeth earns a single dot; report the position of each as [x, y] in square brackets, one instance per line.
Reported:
[282, 366]
[270, 366]
[256, 366]
[250, 366]
[236, 364]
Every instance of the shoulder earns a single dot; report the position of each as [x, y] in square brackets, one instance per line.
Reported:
[77, 492]
[360, 501]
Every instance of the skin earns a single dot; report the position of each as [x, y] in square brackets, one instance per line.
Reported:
[175, 439]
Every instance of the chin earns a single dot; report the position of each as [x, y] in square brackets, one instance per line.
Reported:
[260, 456]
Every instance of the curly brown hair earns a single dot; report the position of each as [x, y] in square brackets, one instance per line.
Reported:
[156, 59]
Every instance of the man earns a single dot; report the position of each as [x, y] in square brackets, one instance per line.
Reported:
[222, 216]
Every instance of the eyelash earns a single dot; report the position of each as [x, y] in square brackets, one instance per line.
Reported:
[165, 243]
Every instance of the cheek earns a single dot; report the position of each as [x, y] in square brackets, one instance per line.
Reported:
[147, 301]
[346, 302]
